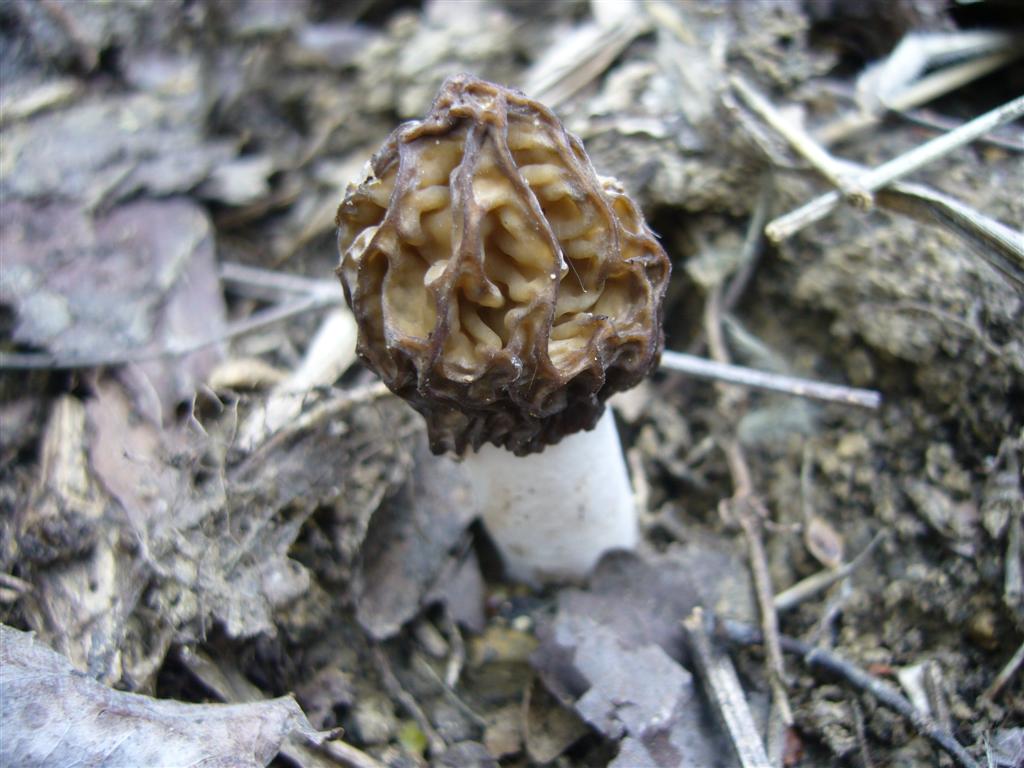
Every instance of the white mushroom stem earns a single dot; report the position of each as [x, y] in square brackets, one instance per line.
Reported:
[553, 514]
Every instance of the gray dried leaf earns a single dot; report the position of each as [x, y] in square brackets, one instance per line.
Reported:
[613, 652]
[141, 277]
[242, 181]
[409, 541]
[342, 466]
[212, 554]
[53, 715]
[644, 598]
[136, 143]
[636, 693]
[460, 587]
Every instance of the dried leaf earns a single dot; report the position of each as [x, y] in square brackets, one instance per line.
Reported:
[140, 278]
[53, 715]
[85, 585]
[823, 541]
[136, 143]
[612, 652]
[409, 540]
[549, 728]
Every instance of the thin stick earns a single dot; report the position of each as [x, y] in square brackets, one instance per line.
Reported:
[769, 618]
[998, 244]
[788, 225]
[819, 582]
[723, 689]
[1005, 675]
[457, 653]
[750, 253]
[49, 361]
[746, 635]
[750, 512]
[435, 743]
[921, 92]
[703, 368]
[349, 755]
[270, 283]
[828, 166]
[862, 738]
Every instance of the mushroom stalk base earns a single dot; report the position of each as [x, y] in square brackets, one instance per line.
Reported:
[553, 514]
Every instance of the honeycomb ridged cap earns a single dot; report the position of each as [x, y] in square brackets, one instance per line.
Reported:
[500, 285]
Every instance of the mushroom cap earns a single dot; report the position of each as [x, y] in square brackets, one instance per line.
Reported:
[500, 286]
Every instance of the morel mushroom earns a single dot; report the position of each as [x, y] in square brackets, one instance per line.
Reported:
[505, 290]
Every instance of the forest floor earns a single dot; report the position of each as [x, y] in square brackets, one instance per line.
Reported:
[207, 499]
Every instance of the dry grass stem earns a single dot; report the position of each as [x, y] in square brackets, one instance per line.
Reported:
[817, 583]
[747, 507]
[836, 171]
[269, 284]
[703, 368]
[999, 245]
[1005, 675]
[926, 89]
[256, 321]
[435, 743]
[348, 755]
[996, 243]
[745, 635]
[723, 689]
[786, 226]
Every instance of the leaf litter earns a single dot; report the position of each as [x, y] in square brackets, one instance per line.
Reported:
[192, 536]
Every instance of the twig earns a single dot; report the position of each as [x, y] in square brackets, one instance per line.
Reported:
[769, 618]
[921, 92]
[311, 418]
[449, 693]
[876, 178]
[1005, 675]
[750, 254]
[750, 512]
[998, 244]
[50, 361]
[268, 284]
[821, 634]
[457, 648]
[828, 166]
[349, 755]
[703, 368]
[746, 635]
[822, 580]
[940, 123]
[858, 729]
[435, 743]
[723, 689]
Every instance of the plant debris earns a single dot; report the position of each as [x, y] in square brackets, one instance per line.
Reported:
[209, 504]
